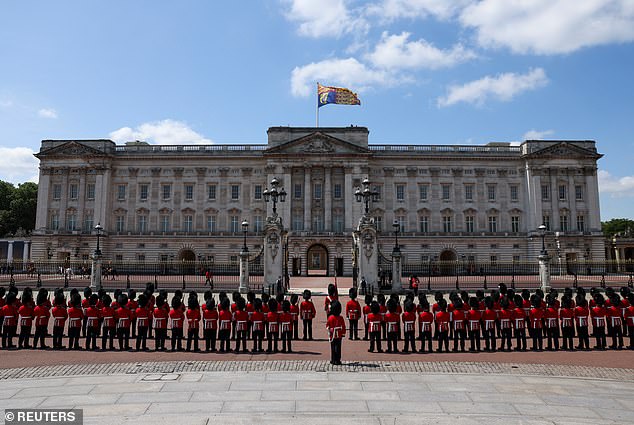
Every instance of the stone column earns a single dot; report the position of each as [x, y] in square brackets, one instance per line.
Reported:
[25, 254]
[307, 198]
[328, 199]
[349, 200]
[10, 252]
[273, 250]
[368, 253]
[95, 276]
[544, 272]
[244, 272]
[397, 270]
[41, 221]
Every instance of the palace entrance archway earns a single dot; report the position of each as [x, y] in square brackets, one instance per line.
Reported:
[317, 260]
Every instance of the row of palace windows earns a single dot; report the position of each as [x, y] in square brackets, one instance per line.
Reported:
[562, 192]
[564, 223]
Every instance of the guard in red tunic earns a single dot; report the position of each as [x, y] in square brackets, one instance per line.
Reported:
[598, 315]
[392, 320]
[257, 325]
[60, 315]
[85, 303]
[75, 318]
[442, 319]
[473, 318]
[458, 325]
[142, 322]
[123, 318]
[365, 311]
[616, 323]
[176, 320]
[91, 316]
[332, 296]
[551, 318]
[567, 316]
[353, 313]
[41, 314]
[581, 320]
[10, 320]
[374, 325]
[628, 318]
[286, 326]
[210, 323]
[159, 322]
[25, 313]
[108, 323]
[535, 317]
[505, 316]
[272, 322]
[489, 318]
[425, 324]
[336, 327]
[295, 315]
[307, 312]
[241, 318]
[193, 322]
[409, 326]
[224, 325]
[519, 324]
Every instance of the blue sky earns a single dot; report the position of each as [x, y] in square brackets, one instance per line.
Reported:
[427, 71]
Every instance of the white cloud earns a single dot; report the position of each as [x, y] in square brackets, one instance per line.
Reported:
[617, 187]
[550, 26]
[502, 87]
[5, 103]
[395, 9]
[348, 73]
[18, 165]
[165, 132]
[395, 51]
[537, 135]
[47, 113]
[324, 18]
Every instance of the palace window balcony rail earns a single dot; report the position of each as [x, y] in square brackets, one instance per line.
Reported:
[445, 149]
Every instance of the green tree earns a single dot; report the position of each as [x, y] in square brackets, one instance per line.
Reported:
[623, 226]
[18, 206]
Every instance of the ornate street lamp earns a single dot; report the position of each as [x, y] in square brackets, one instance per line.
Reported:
[274, 194]
[245, 229]
[397, 228]
[366, 195]
[98, 229]
[542, 233]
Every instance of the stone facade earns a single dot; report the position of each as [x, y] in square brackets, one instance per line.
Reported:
[172, 203]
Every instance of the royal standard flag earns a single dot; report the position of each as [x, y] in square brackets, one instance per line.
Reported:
[338, 95]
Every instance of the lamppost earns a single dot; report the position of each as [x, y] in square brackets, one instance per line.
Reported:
[244, 261]
[275, 195]
[396, 260]
[544, 272]
[366, 195]
[95, 277]
[397, 227]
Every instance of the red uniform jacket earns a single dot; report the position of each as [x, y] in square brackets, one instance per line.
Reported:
[393, 321]
[160, 318]
[519, 318]
[176, 318]
[598, 314]
[409, 321]
[193, 318]
[241, 318]
[142, 317]
[257, 318]
[210, 319]
[327, 302]
[489, 317]
[353, 310]
[374, 322]
[75, 316]
[107, 313]
[307, 310]
[614, 316]
[473, 320]
[295, 312]
[551, 317]
[457, 319]
[92, 316]
[535, 317]
[505, 316]
[628, 317]
[224, 320]
[10, 315]
[567, 316]
[41, 314]
[59, 314]
[272, 320]
[425, 321]
[442, 321]
[26, 316]
[124, 317]
[336, 326]
[581, 316]
[286, 322]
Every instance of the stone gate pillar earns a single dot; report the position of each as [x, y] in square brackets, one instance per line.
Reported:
[273, 250]
[365, 241]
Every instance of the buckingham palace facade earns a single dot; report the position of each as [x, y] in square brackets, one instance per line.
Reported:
[472, 203]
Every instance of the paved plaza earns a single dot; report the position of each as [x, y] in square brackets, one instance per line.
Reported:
[314, 392]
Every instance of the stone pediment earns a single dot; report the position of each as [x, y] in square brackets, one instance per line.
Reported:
[317, 144]
[564, 150]
[70, 149]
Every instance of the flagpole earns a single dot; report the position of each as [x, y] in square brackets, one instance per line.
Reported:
[317, 111]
